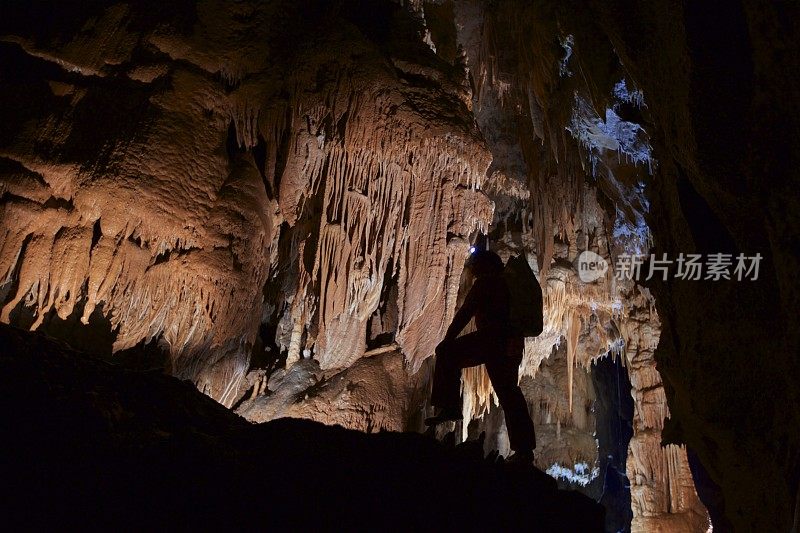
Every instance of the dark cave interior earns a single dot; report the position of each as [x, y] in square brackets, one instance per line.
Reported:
[271, 203]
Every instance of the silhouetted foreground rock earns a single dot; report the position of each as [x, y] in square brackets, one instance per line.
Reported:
[91, 445]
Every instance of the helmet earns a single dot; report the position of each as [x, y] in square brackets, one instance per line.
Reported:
[485, 262]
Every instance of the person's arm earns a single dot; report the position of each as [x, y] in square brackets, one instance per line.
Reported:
[464, 314]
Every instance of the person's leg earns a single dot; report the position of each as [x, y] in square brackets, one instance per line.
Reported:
[503, 372]
[451, 357]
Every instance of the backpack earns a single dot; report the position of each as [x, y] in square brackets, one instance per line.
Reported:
[526, 297]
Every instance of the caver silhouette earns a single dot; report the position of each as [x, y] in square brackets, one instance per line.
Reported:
[495, 344]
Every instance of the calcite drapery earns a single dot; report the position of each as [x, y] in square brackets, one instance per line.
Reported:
[153, 176]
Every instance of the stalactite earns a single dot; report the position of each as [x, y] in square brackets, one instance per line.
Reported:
[573, 330]
[175, 231]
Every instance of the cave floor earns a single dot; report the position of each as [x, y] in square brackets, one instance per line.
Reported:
[93, 446]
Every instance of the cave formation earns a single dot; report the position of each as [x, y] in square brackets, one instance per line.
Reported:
[275, 201]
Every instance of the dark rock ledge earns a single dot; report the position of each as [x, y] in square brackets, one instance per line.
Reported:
[92, 446]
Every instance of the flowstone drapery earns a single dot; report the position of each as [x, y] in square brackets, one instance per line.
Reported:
[223, 161]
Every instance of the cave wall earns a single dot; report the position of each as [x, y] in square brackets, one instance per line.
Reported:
[724, 106]
[197, 169]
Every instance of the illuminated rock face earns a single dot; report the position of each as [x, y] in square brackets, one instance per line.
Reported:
[374, 394]
[663, 496]
[163, 173]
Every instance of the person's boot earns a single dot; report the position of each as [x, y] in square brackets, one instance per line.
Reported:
[521, 458]
[444, 415]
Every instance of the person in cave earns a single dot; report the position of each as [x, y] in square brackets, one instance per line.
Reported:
[495, 344]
